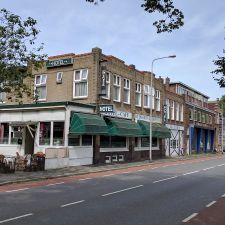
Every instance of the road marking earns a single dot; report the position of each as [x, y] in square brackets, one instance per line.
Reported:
[223, 195]
[190, 217]
[16, 218]
[190, 172]
[211, 203]
[125, 172]
[72, 203]
[154, 168]
[127, 189]
[165, 166]
[55, 184]
[22, 189]
[221, 164]
[169, 178]
[212, 167]
[141, 170]
[88, 178]
[108, 175]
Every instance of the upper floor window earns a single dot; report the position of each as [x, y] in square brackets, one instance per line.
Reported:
[172, 110]
[80, 86]
[168, 109]
[59, 76]
[182, 113]
[157, 100]
[138, 94]
[191, 114]
[203, 117]
[146, 96]
[199, 117]
[116, 88]
[107, 84]
[126, 91]
[40, 87]
[177, 111]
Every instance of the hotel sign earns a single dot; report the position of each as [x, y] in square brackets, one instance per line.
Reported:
[59, 62]
[106, 108]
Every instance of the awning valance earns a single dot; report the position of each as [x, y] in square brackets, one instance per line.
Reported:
[123, 127]
[82, 123]
[158, 130]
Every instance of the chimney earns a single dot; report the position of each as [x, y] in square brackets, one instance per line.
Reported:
[132, 66]
[167, 83]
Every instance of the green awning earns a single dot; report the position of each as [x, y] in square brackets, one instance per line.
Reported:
[158, 130]
[123, 127]
[82, 123]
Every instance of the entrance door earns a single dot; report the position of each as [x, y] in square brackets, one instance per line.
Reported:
[29, 139]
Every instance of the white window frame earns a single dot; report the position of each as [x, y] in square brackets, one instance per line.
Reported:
[138, 93]
[42, 83]
[157, 100]
[168, 109]
[172, 110]
[126, 87]
[146, 93]
[107, 80]
[140, 148]
[117, 84]
[177, 111]
[182, 113]
[79, 81]
[59, 77]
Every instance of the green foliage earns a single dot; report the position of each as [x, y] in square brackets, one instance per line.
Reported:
[220, 64]
[222, 104]
[17, 52]
[174, 18]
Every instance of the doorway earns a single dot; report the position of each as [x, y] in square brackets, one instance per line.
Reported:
[30, 131]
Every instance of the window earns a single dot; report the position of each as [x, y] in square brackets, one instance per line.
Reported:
[40, 87]
[195, 115]
[59, 77]
[126, 91]
[203, 118]
[144, 142]
[116, 87]
[138, 94]
[199, 117]
[113, 142]
[4, 133]
[107, 78]
[172, 110]
[191, 114]
[157, 100]
[177, 111]
[80, 140]
[168, 108]
[2, 94]
[146, 96]
[58, 133]
[182, 113]
[16, 134]
[45, 133]
[80, 87]
[210, 119]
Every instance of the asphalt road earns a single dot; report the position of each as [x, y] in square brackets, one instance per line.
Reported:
[162, 195]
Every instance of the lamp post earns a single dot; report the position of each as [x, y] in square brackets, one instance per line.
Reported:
[151, 88]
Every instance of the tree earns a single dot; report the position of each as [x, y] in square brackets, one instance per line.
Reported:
[174, 18]
[222, 104]
[220, 64]
[17, 52]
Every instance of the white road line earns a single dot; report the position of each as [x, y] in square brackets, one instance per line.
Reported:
[190, 217]
[211, 203]
[221, 164]
[16, 218]
[127, 189]
[165, 166]
[88, 178]
[223, 196]
[141, 170]
[154, 168]
[72, 203]
[212, 167]
[190, 172]
[108, 175]
[125, 172]
[169, 178]
[22, 189]
[55, 184]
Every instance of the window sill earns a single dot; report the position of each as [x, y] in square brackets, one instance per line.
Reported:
[122, 149]
[145, 148]
[82, 97]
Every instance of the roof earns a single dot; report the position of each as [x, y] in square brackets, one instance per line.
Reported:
[192, 89]
[44, 105]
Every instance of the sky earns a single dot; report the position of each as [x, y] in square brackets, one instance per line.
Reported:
[125, 30]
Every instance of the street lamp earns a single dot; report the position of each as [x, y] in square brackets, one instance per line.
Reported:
[150, 122]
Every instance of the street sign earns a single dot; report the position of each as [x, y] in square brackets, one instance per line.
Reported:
[106, 108]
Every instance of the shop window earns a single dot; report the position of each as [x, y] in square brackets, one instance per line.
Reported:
[58, 133]
[126, 91]
[107, 78]
[85, 140]
[74, 141]
[40, 87]
[4, 133]
[144, 142]
[80, 86]
[112, 142]
[138, 94]
[16, 134]
[44, 133]
[116, 88]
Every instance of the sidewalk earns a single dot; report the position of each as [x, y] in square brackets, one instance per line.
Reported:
[20, 176]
